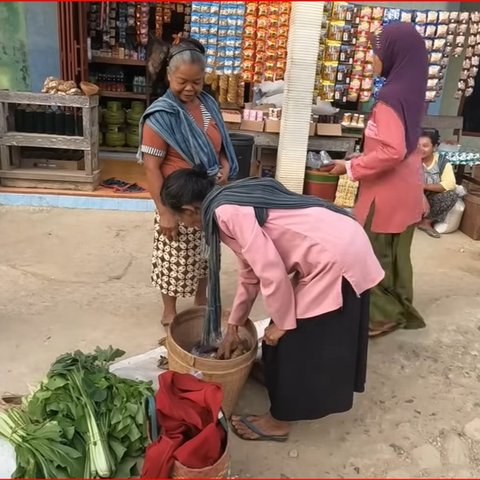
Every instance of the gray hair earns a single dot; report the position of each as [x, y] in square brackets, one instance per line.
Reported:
[191, 57]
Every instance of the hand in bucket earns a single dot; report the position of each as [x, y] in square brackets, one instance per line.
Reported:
[230, 343]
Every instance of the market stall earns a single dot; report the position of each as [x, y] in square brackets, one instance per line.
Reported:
[247, 53]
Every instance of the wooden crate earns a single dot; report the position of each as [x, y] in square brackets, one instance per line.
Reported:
[12, 174]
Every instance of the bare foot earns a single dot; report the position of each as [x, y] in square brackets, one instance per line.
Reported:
[169, 309]
[168, 317]
[265, 424]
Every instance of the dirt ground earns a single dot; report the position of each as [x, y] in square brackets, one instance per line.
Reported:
[74, 279]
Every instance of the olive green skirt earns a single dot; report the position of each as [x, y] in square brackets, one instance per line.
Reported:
[391, 301]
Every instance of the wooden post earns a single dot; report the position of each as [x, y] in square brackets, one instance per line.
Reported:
[87, 134]
[303, 43]
[5, 163]
[94, 140]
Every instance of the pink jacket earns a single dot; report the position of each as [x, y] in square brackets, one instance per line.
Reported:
[388, 179]
[314, 246]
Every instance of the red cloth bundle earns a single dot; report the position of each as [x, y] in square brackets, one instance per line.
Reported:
[187, 415]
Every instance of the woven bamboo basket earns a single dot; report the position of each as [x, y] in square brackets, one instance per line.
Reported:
[221, 469]
[89, 88]
[185, 331]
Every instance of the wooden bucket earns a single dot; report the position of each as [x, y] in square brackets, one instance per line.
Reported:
[185, 332]
[320, 184]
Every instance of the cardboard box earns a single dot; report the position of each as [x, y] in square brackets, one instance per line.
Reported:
[272, 126]
[470, 224]
[329, 129]
[252, 126]
[263, 108]
[231, 116]
[313, 128]
[232, 126]
[52, 164]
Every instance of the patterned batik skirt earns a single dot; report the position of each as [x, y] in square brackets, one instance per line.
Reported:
[178, 266]
[440, 204]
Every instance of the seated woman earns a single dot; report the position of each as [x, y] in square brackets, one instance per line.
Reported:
[314, 266]
[440, 184]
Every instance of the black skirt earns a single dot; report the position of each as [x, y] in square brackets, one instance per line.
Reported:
[316, 368]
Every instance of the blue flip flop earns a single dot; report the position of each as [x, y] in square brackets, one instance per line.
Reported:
[262, 437]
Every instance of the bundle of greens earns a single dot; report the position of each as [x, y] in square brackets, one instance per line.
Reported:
[80, 406]
[41, 448]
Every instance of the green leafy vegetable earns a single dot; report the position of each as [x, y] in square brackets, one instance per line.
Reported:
[41, 448]
[96, 414]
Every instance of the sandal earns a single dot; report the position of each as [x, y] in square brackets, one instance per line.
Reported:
[10, 400]
[133, 188]
[429, 231]
[262, 437]
[119, 186]
[114, 184]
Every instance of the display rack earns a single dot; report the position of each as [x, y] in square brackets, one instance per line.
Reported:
[13, 174]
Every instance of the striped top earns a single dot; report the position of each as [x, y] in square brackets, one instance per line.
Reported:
[207, 117]
[155, 145]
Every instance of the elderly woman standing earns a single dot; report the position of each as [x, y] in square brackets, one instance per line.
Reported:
[179, 130]
[389, 173]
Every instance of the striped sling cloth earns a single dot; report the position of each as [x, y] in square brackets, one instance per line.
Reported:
[262, 194]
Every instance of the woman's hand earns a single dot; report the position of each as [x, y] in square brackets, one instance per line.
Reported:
[229, 344]
[339, 168]
[169, 225]
[222, 178]
[272, 335]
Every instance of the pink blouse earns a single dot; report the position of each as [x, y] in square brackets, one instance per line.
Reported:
[389, 179]
[296, 260]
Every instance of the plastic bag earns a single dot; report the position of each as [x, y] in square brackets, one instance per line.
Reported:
[453, 218]
[461, 191]
[318, 160]
[324, 108]
[8, 462]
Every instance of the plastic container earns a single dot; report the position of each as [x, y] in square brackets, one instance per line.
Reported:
[60, 122]
[114, 117]
[20, 119]
[40, 121]
[50, 121]
[320, 184]
[114, 138]
[133, 137]
[185, 331]
[69, 124]
[243, 146]
[114, 106]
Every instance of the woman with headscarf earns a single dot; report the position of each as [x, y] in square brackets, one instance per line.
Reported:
[181, 129]
[389, 172]
[314, 266]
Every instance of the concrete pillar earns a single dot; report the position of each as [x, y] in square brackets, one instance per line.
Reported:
[303, 42]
